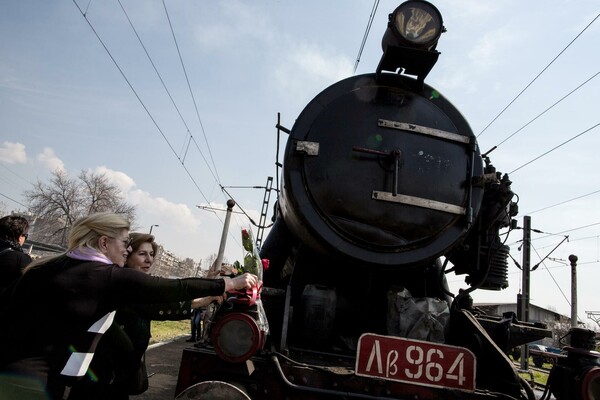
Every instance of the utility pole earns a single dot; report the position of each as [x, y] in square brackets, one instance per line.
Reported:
[213, 271]
[524, 310]
[573, 260]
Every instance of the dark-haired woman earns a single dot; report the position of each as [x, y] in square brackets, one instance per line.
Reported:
[13, 233]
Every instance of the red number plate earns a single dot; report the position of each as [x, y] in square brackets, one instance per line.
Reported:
[415, 361]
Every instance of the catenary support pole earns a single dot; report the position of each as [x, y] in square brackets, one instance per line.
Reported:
[216, 268]
[525, 285]
[573, 260]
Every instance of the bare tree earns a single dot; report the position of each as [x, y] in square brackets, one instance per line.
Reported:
[101, 195]
[61, 201]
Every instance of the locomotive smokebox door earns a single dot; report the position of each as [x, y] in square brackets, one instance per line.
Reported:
[380, 173]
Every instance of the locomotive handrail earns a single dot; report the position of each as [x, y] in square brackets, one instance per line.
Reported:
[403, 126]
[419, 202]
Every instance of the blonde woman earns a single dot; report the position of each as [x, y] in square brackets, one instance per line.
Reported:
[62, 305]
[118, 365]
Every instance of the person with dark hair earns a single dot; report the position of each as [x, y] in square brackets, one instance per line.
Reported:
[73, 297]
[13, 233]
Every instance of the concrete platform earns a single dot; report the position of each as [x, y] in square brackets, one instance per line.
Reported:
[162, 362]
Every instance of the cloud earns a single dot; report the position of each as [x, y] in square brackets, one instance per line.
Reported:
[490, 49]
[472, 10]
[13, 153]
[49, 160]
[313, 68]
[213, 37]
[120, 179]
[251, 25]
[158, 209]
[164, 211]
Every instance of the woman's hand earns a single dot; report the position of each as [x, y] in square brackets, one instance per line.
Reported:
[244, 281]
[204, 301]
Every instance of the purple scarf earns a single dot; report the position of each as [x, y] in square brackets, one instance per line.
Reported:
[88, 254]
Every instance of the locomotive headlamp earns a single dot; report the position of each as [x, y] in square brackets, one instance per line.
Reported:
[236, 337]
[415, 24]
[409, 41]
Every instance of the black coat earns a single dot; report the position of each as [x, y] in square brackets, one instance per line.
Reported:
[55, 306]
[118, 356]
[12, 263]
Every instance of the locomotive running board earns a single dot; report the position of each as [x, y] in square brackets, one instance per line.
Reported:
[403, 126]
[419, 202]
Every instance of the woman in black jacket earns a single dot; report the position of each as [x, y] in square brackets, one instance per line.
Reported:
[13, 233]
[62, 306]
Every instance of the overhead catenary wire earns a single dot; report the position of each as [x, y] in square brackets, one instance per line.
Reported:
[189, 137]
[88, 7]
[572, 240]
[243, 211]
[557, 233]
[216, 173]
[546, 110]
[15, 174]
[566, 238]
[554, 148]
[561, 265]
[15, 201]
[563, 202]
[366, 35]
[573, 229]
[537, 76]
[191, 91]
[139, 99]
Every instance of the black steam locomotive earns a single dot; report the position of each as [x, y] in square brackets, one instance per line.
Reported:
[384, 191]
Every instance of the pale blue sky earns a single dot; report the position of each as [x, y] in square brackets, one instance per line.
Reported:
[64, 103]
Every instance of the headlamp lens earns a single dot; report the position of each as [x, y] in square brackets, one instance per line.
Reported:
[418, 23]
[236, 337]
